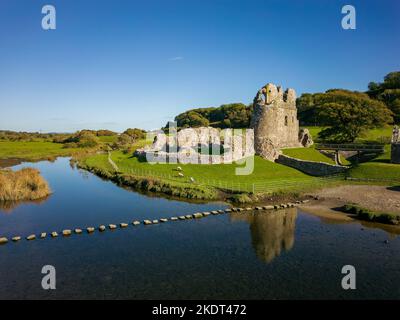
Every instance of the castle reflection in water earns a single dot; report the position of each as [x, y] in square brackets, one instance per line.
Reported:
[271, 232]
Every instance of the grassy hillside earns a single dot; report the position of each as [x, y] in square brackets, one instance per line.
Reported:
[379, 168]
[307, 154]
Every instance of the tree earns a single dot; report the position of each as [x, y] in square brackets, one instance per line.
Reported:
[306, 110]
[191, 119]
[135, 133]
[348, 114]
[388, 92]
[234, 115]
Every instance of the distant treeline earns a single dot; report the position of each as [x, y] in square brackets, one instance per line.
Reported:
[234, 115]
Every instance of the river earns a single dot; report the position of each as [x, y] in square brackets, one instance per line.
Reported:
[286, 254]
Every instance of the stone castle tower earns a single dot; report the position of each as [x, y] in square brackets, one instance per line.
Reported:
[275, 122]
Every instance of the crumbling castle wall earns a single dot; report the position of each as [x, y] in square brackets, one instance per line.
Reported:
[275, 121]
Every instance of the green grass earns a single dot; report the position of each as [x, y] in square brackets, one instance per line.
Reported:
[218, 175]
[32, 150]
[379, 168]
[307, 154]
[376, 170]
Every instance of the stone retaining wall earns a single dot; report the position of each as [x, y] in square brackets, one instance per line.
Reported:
[311, 167]
[395, 153]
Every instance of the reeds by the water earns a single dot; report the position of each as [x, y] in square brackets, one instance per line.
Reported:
[24, 184]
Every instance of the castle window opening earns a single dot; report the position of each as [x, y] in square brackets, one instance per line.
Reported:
[286, 120]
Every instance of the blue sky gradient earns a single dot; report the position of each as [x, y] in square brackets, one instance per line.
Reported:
[120, 64]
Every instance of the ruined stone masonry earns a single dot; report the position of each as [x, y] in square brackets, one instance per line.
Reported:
[275, 122]
[395, 147]
[202, 145]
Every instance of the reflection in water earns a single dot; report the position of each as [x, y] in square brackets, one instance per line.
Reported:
[9, 206]
[270, 231]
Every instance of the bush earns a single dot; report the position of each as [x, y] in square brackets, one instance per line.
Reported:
[369, 215]
[82, 139]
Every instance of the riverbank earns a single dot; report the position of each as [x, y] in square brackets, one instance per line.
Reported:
[380, 201]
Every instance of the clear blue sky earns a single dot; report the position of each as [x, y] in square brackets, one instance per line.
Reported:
[118, 64]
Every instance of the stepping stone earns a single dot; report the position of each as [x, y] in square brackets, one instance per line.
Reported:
[228, 210]
[221, 211]
[276, 206]
[249, 209]
[54, 234]
[197, 215]
[112, 226]
[188, 216]
[123, 225]
[15, 239]
[258, 208]
[173, 218]
[206, 214]
[163, 220]
[155, 221]
[136, 223]
[305, 201]
[182, 217]
[3, 240]
[102, 228]
[268, 207]
[66, 233]
[31, 237]
[214, 212]
[43, 235]
[147, 222]
[90, 229]
[78, 231]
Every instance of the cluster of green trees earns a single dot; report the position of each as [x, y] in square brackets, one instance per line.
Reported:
[388, 92]
[347, 114]
[82, 139]
[234, 115]
[128, 138]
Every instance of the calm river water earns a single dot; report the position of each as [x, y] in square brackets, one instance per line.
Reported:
[279, 255]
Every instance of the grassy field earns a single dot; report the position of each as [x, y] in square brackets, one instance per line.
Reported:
[263, 170]
[33, 150]
[307, 154]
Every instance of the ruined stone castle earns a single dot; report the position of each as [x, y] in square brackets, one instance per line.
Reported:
[275, 122]
[274, 126]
